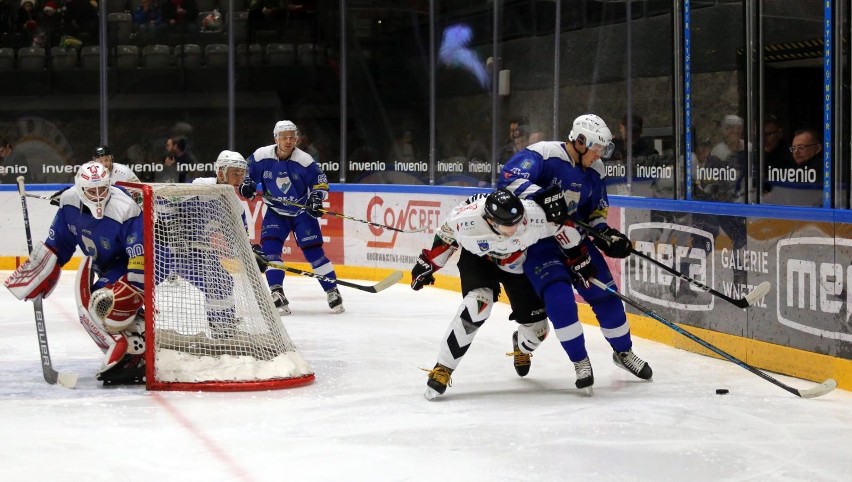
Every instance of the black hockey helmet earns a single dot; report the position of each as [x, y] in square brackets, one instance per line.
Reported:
[504, 208]
[101, 151]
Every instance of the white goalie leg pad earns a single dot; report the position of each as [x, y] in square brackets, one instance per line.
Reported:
[530, 335]
[96, 330]
[474, 310]
[37, 276]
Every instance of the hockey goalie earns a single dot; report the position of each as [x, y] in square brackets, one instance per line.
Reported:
[106, 224]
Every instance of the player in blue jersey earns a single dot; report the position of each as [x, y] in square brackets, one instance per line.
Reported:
[184, 249]
[566, 179]
[291, 176]
[106, 224]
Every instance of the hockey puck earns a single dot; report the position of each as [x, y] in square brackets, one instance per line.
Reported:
[721, 391]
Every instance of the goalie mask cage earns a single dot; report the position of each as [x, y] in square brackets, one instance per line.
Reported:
[210, 322]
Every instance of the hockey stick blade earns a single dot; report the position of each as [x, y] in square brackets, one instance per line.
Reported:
[758, 293]
[813, 392]
[382, 285]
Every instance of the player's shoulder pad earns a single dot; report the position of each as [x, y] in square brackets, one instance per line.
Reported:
[551, 149]
[598, 166]
[69, 197]
[121, 206]
[122, 172]
[261, 153]
[303, 158]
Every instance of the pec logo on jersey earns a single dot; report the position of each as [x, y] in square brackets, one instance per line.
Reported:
[283, 183]
[814, 285]
[483, 245]
[51, 234]
[684, 248]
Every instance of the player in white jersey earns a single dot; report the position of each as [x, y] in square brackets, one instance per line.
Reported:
[493, 233]
[117, 172]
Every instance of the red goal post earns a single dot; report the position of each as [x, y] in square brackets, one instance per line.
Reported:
[210, 321]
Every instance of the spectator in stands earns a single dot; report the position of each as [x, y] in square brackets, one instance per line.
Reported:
[721, 177]
[187, 166]
[26, 22]
[266, 15]
[180, 15]
[147, 16]
[169, 171]
[519, 139]
[641, 149]
[81, 20]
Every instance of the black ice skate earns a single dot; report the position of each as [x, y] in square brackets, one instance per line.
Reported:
[633, 364]
[281, 301]
[585, 376]
[130, 370]
[335, 301]
[522, 361]
[439, 379]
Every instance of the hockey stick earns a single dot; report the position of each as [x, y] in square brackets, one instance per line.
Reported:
[749, 299]
[380, 286]
[813, 392]
[332, 213]
[51, 376]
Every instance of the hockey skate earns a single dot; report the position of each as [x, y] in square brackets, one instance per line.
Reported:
[585, 376]
[439, 379]
[130, 370]
[521, 360]
[633, 364]
[281, 301]
[335, 301]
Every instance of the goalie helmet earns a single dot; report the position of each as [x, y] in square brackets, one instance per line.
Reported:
[594, 132]
[228, 160]
[92, 184]
[503, 208]
[285, 126]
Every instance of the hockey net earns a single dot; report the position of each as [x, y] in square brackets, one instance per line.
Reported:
[210, 320]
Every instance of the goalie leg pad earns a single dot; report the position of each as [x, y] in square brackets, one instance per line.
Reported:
[37, 276]
[116, 306]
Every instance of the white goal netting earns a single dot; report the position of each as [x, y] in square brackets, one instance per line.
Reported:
[210, 320]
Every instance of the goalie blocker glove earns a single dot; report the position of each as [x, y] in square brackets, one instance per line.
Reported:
[552, 200]
[613, 243]
[421, 273]
[314, 205]
[38, 276]
[580, 264]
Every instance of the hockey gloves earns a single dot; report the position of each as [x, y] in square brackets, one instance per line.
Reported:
[260, 258]
[421, 273]
[314, 204]
[580, 264]
[552, 200]
[613, 243]
[54, 198]
[248, 189]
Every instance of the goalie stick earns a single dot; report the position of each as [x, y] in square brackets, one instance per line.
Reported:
[817, 391]
[757, 294]
[51, 376]
[382, 285]
[344, 216]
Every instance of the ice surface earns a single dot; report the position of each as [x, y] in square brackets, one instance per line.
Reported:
[365, 417]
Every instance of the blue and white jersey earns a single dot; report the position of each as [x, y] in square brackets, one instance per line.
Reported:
[546, 163]
[114, 242]
[285, 180]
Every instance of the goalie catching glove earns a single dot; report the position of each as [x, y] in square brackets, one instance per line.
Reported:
[421, 273]
[552, 200]
[38, 276]
[580, 264]
[115, 306]
[314, 205]
[613, 243]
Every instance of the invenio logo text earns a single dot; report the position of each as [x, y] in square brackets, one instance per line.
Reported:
[683, 248]
[812, 286]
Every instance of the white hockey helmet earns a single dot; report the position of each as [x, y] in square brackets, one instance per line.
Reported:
[230, 159]
[594, 132]
[285, 126]
[92, 184]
